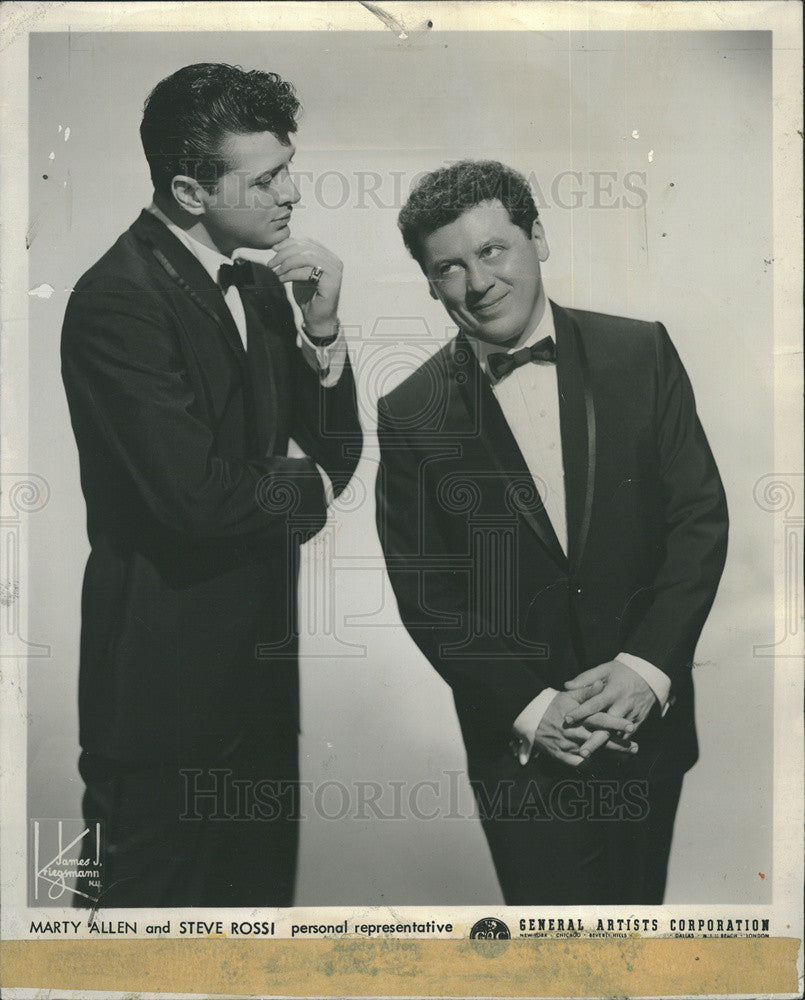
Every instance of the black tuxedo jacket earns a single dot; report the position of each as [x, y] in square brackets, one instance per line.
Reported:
[194, 513]
[482, 584]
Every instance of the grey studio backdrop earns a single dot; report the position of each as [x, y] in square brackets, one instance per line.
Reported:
[652, 156]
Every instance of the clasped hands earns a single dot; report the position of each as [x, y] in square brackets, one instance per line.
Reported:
[600, 708]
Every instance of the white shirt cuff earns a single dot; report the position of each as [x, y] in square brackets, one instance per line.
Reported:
[327, 360]
[527, 722]
[659, 682]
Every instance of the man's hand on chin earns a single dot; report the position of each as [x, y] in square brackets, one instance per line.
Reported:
[624, 695]
[572, 744]
[315, 274]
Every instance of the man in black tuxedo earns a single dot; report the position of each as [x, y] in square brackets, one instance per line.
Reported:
[211, 436]
[554, 529]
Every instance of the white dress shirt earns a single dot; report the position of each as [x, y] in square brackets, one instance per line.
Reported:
[529, 400]
[328, 360]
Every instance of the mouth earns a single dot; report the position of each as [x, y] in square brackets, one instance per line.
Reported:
[486, 307]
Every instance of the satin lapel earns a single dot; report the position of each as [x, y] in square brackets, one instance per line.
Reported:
[473, 388]
[188, 273]
[265, 349]
[577, 422]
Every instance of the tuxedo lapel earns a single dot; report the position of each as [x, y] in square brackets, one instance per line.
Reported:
[577, 422]
[189, 274]
[269, 382]
[265, 387]
[473, 393]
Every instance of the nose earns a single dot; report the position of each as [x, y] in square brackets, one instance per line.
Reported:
[288, 193]
[479, 279]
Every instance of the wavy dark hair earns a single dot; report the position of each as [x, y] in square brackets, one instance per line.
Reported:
[188, 115]
[443, 195]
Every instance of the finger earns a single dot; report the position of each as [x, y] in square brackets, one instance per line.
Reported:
[303, 248]
[609, 720]
[587, 677]
[595, 742]
[626, 710]
[293, 250]
[597, 703]
[296, 260]
[289, 241]
[300, 274]
[305, 267]
[567, 758]
[579, 734]
[630, 747]
[568, 746]
[623, 708]
[309, 241]
[582, 694]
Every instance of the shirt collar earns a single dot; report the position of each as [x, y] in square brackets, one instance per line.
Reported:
[209, 259]
[545, 328]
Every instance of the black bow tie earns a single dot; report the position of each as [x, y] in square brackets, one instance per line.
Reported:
[239, 274]
[500, 364]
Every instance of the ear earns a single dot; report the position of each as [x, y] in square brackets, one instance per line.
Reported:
[540, 240]
[189, 194]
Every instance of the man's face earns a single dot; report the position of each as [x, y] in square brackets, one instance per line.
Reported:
[252, 202]
[485, 271]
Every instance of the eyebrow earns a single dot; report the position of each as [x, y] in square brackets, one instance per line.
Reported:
[457, 259]
[270, 173]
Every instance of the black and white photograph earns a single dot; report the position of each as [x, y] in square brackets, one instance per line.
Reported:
[402, 485]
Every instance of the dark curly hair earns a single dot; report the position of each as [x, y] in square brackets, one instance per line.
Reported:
[443, 195]
[189, 113]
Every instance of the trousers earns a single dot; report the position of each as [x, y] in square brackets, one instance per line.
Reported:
[597, 834]
[196, 832]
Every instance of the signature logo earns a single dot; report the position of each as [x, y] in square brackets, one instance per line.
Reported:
[490, 929]
[67, 860]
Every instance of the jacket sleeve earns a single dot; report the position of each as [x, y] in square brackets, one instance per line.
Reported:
[687, 578]
[325, 421]
[432, 591]
[127, 388]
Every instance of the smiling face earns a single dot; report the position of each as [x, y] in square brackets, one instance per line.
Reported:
[252, 202]
[486, 272]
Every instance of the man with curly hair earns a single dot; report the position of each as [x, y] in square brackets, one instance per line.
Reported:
[212, 435]
[555, 529]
